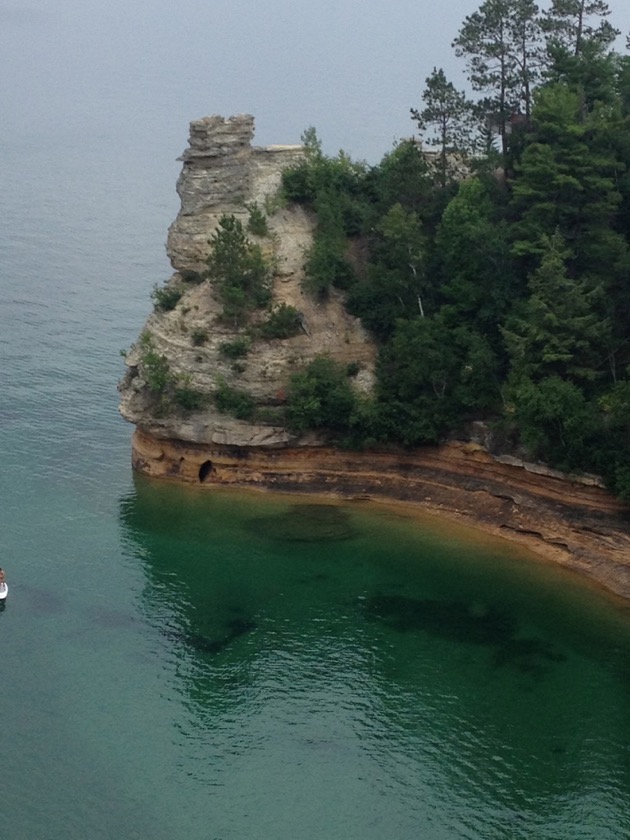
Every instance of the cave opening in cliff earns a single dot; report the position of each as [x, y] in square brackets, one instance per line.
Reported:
[205, 470]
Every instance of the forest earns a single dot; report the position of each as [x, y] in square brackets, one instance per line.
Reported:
[489, 254]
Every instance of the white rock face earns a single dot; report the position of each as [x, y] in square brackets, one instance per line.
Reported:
[222, 173]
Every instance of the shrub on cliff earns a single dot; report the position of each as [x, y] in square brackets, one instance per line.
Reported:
[235, 349]
[257, 221]
[166, 297]
[168, 390]
[199, 337]
[283, 322]
[238, 270]
[155, 368]
[234, 401]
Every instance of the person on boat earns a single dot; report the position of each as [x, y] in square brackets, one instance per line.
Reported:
[2, 581]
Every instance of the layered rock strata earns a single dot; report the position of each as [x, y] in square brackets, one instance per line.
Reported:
[572, 521]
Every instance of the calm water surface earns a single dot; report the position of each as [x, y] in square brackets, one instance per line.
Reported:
[217, 666]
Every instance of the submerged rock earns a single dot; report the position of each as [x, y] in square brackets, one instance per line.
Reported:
[444, 619]
[305, 523]
[234, 628]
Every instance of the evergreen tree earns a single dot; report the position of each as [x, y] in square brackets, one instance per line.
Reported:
[525, 31]
[237, 269]
[478, 282]
[447, 113]
[558, 330]
[402, 177]
[567, 180]
[557, 423]
[572, 24]
[579, 41]
[501, 43]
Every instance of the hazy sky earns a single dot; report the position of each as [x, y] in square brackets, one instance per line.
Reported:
[130, 70]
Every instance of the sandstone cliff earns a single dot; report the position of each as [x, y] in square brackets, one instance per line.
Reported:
[572, 521]
[224, 174]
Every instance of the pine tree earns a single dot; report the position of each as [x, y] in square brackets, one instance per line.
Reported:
[501, 42]
[472, 242]
[569, 24]
[449, 114]
[559, 330]
[566, 179]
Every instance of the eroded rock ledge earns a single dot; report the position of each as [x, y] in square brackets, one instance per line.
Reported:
[573, 522]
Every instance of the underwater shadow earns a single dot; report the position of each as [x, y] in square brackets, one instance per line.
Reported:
[305, 524]
[472, 624]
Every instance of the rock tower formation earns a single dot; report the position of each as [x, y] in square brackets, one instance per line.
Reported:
[223, 174]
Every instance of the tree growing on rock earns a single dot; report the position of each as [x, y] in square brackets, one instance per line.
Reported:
[238, 270]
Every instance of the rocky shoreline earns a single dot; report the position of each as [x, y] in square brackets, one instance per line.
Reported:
[569, 520]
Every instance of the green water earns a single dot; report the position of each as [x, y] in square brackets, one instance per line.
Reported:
[273, 667]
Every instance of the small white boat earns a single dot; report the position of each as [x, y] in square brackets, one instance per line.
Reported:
[4, 591]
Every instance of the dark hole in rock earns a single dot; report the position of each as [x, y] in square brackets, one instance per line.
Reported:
[205, 470]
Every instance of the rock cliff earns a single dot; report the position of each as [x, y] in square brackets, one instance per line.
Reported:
[224, 174]
[572, 521]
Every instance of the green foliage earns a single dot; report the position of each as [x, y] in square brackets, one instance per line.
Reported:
[284, 321]
[402, 177]
[188, 398]
[199, 337]
[235, 349]
[395, 285]
[507, 296]
[432, 376]
[166, 297]
[326, 267]
[238, 270]
[275, 202]
[304, 182]
[257, 221]
[154, 366]
[566, 181]
[501, 44]
[311, 141]
[557, 423]
[193, 277]
[474, 258]
[557, 330]
[320, 397]
[233, 401]
[170, 391]
[575, 25]
[446, 121]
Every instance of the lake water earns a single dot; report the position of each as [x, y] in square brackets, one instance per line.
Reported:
[188, 665]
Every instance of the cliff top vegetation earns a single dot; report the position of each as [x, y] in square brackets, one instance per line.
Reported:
[490, 259]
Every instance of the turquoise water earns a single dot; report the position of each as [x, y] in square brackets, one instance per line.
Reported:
[222, 666]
